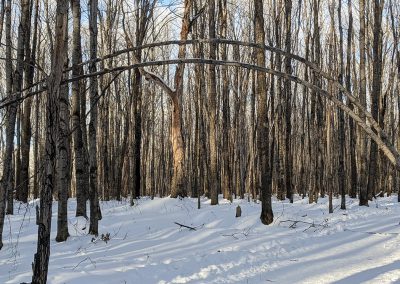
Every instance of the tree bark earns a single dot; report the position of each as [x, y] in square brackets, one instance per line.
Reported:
[352, 130]
[63, 154]
[6, 181]
[41, 259]
[227, 171]
[78, 97]
[212, 107]
[95, 213]
[288, 104]
[363, 99]
[178, 179]
[23, 188]
[376, 97]
[341, 173]
[267, 215]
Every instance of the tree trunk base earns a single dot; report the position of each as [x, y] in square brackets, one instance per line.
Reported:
[267, 217]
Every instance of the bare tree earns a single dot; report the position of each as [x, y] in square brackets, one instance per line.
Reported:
[263, 120]
[78, 117]
[95, 213]
[63, 154]
[376, 98]
[42, 255]
[288, 102]
[212, 111]
[6, 181]
[363, 99]
[29, 61]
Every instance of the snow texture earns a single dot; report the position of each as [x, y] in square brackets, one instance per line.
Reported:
[359, 245]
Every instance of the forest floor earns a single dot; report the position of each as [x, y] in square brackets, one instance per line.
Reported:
[358, 245]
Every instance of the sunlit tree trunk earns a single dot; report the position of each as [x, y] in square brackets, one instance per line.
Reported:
[212, 107]
[6, 181]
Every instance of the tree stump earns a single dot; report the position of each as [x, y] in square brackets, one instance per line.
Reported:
[238, 211]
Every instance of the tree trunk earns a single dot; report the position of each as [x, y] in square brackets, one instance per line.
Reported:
[95, 213]
[178, 179]
[212, 107]
[138, 134]
[288, 104]
[2, 13]
[227, 172]
[81, 170]
[178, 185]
[23, 188]
[267, 215]
[352, 139]
[6, 181]
[341, 173]
[376, 96]
[363, 93]
[63, 154]
[41, 259]
[23, 40]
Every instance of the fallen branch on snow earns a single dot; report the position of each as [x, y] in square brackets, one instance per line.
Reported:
[311, 224]
[188, 227]
[245, 233]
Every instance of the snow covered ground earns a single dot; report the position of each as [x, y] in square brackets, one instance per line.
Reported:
[359, 245]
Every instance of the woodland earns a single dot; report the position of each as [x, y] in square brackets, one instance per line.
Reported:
[110, 100]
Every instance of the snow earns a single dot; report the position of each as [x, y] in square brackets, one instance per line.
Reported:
[359, 245]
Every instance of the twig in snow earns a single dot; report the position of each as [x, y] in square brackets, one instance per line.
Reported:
[283, 210]
[87, 258]
[116, 232]
[124, 238]
[185, 226]
[311, 224]
[245, 233]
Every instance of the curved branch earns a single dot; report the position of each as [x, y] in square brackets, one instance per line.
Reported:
[312, 66]
[379, 138]
[272, 49]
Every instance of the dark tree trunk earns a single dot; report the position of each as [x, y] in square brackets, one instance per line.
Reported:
[95, 213]
[267, 215]
[26, 133]
[341, 173]
[288, 104]
[41, 259]
[78, 97]
[63, 154]
[363, 93]
[212, 108]
[352, 130]
[138, 134]
[376, 96]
